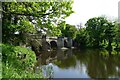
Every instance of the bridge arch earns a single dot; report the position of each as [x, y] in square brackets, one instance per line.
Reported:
[65, 43]
[53, 44]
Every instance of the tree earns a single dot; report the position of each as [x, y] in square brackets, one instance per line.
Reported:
[117, 36]
[95, 28]
[110, 34]
[81, 38]
[24, 17]
[67, 30]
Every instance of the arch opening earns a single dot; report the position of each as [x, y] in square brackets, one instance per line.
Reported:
[65, 43]
[53, 44]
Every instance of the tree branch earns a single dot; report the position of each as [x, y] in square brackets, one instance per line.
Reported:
[27, 14]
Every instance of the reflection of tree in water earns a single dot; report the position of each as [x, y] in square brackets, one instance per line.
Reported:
[99, 66]
[67, 63]
[65, 59]
[81, 56]
[46, 57]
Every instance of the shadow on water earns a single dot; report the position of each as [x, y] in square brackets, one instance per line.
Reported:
[80, 63]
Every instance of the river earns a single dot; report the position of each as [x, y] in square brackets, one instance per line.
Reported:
[73, 63]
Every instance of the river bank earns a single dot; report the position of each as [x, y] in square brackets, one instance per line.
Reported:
[18, 62]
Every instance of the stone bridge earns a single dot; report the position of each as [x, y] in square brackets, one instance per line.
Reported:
[54, 42]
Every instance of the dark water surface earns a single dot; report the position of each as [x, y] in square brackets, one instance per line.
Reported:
[80, 64]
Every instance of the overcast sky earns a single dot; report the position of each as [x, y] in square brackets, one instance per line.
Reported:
[86, 9]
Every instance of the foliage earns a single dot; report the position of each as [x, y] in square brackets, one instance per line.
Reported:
[67, 30]
[54, 31]
[31, 17]
[95, 28]
[110, 34]
[18, 62]
[99, 33]
[117, 36]
[81, 38]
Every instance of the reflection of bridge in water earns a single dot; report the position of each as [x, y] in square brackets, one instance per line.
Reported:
[54, 42]
[46, 61]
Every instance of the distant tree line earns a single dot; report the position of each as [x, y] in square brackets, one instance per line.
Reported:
[99, 33]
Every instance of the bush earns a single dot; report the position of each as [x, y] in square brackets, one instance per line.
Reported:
[18, 62]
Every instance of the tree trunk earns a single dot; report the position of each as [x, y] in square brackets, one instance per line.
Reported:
[109, 45]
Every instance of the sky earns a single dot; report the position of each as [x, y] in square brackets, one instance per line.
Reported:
[86, 9]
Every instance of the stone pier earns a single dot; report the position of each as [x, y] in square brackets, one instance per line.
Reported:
[60, 42]
[69, 42]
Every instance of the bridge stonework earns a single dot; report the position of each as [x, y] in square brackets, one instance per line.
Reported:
[60, 42]
[46, 42]
[69, 42]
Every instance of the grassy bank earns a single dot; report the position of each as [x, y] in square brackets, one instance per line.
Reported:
[18, 62]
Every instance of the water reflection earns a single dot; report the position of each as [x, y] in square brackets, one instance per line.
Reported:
[81, 63]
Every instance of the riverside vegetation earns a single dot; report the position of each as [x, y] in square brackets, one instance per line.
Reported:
[18, 62]
[22, 18]
[19, 19]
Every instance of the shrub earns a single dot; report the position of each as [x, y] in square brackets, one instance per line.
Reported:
[18, 62]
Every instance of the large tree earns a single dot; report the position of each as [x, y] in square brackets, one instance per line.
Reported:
[31, 17]
[95, 28]
[101, 30]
